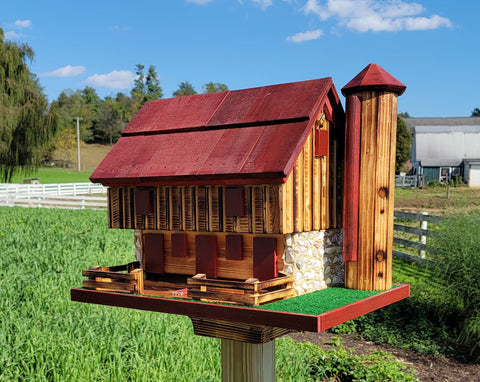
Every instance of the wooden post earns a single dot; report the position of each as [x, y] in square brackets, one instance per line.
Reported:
[423, 238]
[247, 362]
[248, 351]
[371, 172]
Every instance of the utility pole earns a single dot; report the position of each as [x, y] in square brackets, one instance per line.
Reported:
[78, 141]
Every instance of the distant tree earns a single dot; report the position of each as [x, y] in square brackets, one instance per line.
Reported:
[212, 87]
[109, 123]
[404, 114]
[80, 103]
[139, 89]
[27, 122]
[184, 89]
[404, 141]
[147, 87]
[476, 112]
[152, 82]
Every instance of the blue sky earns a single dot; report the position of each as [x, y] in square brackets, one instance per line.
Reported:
[429, 45]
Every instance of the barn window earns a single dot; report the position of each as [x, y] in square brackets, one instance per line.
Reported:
[264, 258]
[234, 201]
[321, 143]
[179, 245]
[153, 252]
[144, 201]
[234, 247]
[206, 255]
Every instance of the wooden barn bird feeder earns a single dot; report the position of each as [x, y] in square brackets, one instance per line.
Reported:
[239, 202]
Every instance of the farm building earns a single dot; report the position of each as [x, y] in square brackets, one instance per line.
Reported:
[248, 185]
[446, 148]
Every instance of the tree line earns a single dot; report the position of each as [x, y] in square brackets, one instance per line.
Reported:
[31, 128]
[103, 119]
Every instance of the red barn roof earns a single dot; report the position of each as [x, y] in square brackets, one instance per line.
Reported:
[248, 136]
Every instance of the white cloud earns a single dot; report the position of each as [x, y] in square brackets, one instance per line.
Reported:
[376, 15]
[66, 71]
[11, 35]
[23, 24]
[305, 36]
[264, 4]
[118, 79]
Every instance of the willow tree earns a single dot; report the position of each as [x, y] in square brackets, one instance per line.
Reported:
[27, 123]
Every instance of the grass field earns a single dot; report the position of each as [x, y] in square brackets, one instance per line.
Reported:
[46, 337]
[91, 156]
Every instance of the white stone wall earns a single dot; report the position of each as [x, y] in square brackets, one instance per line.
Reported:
[314, 259]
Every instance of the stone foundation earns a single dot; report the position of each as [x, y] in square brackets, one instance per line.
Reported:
[314, 259]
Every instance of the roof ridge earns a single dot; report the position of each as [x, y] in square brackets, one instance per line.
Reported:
[219, 127]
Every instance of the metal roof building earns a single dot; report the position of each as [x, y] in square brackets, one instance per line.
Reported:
[444, 148]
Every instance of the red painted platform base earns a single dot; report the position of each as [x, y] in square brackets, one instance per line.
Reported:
[231, 313]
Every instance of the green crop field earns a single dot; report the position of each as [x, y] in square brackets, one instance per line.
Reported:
[46, 337]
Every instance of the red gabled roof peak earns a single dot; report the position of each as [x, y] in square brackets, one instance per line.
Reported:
[373, 77]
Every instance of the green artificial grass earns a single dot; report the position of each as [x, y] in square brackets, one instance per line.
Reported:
[319, 302]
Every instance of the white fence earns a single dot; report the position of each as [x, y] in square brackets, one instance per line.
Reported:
[408, 181]
[58, 189]
[62, 195]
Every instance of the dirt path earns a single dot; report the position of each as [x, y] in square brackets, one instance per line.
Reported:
[428, 367]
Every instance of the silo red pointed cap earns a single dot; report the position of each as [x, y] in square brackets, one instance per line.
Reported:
[373, 77]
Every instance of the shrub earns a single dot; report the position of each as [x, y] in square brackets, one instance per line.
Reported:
[457, 267]
[433, 183]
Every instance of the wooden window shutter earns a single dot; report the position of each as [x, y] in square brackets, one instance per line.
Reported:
[264, 258]
[234, 201]
[234, 247]
[153, 252]
[321, 143]
[179, 245]
[206, 255]
[143, 201]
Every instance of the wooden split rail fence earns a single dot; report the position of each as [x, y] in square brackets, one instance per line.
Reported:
[422, 231]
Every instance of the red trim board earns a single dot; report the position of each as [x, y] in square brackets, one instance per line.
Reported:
[232, 313]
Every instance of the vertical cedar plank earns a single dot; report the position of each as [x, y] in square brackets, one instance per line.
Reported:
[393, 143]
[287, 203]
[189, 209]
[298, 193]
[127, 213]
[163, 208]
[215, 210]
[244, 220]
[176, 218]
[289, 195]
[151, 218]
[352, 178]
[367, 189]
[114, 215]
[351, 275]
[257, 209]
[307, 182]
[317, 191]
[273, 208]
[202, 208]
[381, 195]
[325, 183]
